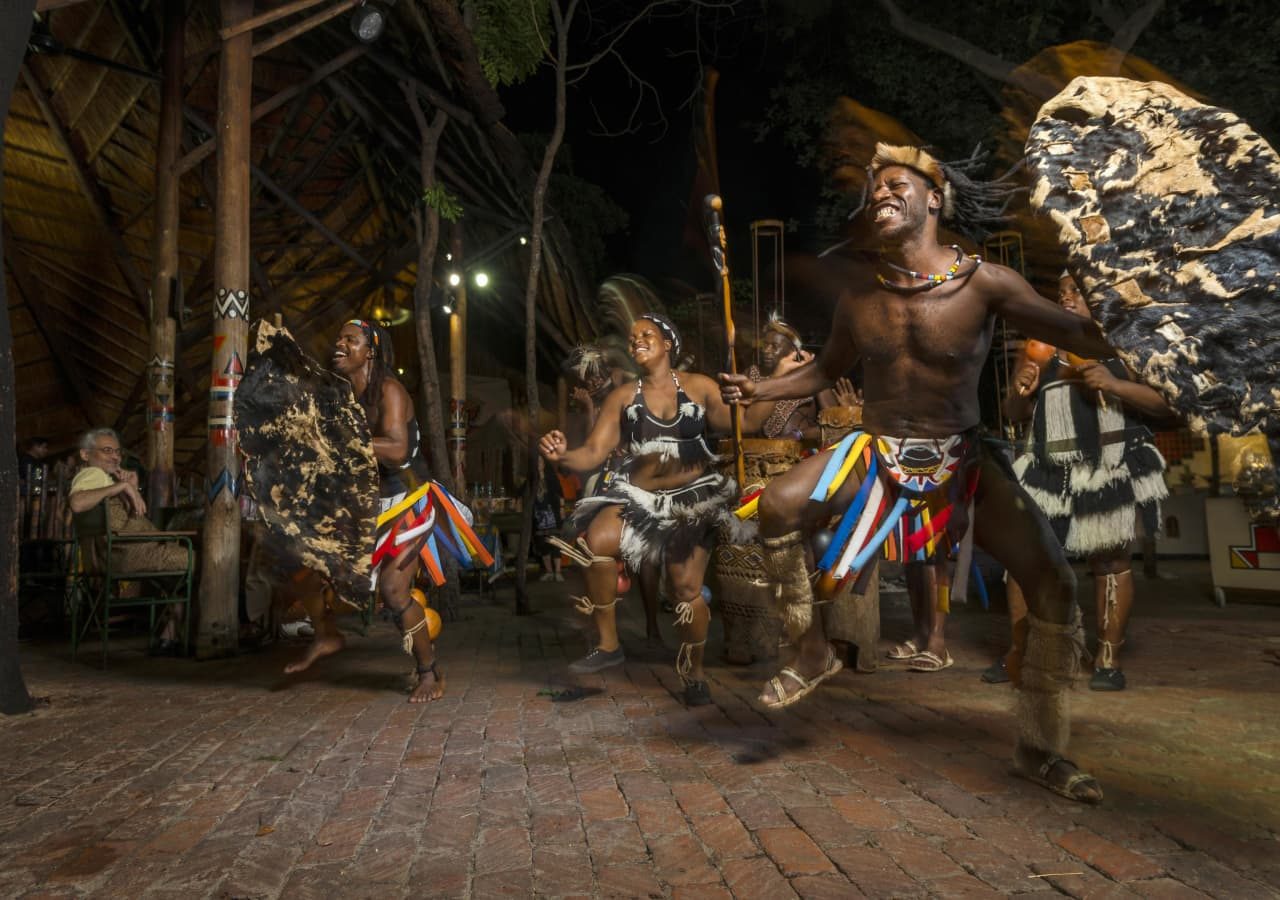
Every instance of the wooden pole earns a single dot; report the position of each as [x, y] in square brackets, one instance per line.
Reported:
[219, 584]
[712, 206]
[458, 367]
[164, 261]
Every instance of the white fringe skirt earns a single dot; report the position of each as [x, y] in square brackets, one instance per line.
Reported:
[664, 524]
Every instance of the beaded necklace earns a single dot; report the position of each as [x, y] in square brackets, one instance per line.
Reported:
[930, 279]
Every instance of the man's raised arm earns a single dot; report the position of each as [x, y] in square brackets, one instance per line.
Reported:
[1043, 319]
[838, 356]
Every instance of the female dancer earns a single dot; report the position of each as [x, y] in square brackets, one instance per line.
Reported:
[415, 518]
[1092, 467]
[662, 504]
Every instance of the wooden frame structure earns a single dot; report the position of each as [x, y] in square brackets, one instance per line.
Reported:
[167, 178]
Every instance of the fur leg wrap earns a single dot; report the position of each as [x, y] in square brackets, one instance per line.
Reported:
[784, 562]
[1052, 662]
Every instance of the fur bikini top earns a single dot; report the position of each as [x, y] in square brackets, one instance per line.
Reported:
[682, 438]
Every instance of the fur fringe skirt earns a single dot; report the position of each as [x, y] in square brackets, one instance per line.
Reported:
[1095, 507]
[665, 524]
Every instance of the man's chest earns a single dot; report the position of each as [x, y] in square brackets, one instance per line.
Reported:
[927, 326]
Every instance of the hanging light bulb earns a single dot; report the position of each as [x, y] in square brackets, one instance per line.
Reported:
[368, 22]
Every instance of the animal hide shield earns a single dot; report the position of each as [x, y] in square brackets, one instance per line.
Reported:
[310, 462]
[1169, 212]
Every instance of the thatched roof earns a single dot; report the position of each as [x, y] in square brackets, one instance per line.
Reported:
[336, 178]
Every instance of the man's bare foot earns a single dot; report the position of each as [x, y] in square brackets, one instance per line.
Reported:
[320, 647]
[430, 686]
[1059, 775]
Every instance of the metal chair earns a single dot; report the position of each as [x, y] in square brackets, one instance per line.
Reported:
[98, 572]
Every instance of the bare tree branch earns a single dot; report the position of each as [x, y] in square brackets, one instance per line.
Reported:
[1128, 33]
[643, 87]
[976, 58]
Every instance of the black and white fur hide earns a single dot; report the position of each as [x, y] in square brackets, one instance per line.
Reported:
[1169, 212]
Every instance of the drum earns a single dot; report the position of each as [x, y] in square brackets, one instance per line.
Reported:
[745, 594]
[737, 578]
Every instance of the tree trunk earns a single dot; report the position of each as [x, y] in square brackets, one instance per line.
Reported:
[428, 373]
[563, 21]
[16, 18]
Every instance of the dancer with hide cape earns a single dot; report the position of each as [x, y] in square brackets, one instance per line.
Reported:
[917, 480]
[662, 504]
[306, 429]
[1169, 211]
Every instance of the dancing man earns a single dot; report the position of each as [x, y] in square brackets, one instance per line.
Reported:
[918, 480]
[1091, 467]
[662, 503]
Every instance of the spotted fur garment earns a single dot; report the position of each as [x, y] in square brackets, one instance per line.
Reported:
[1169, 213]
[309, 462]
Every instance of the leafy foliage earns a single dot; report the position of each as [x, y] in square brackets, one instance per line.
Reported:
[443, 202]
[511, 37]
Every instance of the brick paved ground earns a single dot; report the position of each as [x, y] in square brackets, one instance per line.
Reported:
[225, 779]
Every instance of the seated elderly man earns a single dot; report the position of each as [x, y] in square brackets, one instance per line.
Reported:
[102, 480]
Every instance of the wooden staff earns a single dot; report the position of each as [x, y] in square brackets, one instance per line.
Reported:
[711, 207]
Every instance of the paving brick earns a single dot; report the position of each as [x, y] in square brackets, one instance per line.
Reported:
[603, 804]
[916, 855]
[1200, 871]
[931, 819]
[507, 883]
[1167, 889]
[825, 887]
[178, 838]
[557, 828]
[724, 836]
[562, 870]
[500, 849]
[993, 866]
[758, 810]
[615, 842]
[700, 892]
[628, 881]
[1112, 860]
[794, 851]
[659, 817]
[757, 877]
[875, 872]
[680, 859]
[1076, 880]
[699, 798]
[1202, 836]
[827, 827]
[385, 860]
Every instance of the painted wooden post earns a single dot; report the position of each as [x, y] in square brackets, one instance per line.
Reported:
[220, 581]
[164, 261]
[458, 367]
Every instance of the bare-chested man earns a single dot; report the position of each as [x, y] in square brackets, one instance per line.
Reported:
[920, 316]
